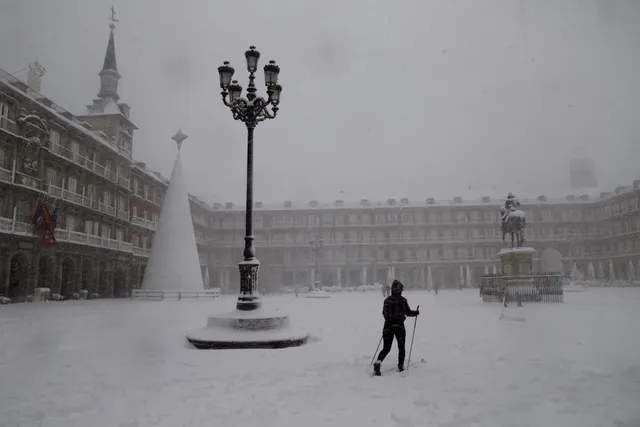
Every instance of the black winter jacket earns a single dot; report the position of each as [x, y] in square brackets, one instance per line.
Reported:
[396, 309]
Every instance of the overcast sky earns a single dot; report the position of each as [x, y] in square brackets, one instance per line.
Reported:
[405, 98]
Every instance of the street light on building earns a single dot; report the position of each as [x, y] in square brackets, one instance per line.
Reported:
[316, 247]
[251, 110]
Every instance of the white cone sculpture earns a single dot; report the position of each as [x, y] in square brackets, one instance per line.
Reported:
[173, 263]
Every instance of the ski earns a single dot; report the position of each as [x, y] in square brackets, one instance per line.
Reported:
[394, 368]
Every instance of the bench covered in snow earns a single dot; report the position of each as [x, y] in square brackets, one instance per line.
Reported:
[159, 295]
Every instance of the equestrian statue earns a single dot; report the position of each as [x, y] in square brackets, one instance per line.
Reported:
[513, 221]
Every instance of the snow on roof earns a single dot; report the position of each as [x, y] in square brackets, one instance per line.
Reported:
[10, 82]
[399, 203]
[157, 176]
[197, 201]
[110, 108]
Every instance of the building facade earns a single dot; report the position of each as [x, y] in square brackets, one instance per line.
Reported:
[104, 204]
[456, 240]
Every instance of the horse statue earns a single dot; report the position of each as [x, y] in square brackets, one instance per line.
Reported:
[513, 222]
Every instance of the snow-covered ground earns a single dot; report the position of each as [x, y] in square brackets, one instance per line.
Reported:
[125, 363]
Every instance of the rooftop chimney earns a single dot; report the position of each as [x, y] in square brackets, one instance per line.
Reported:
[34, 78]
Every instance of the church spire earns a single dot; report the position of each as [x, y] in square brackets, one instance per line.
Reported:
[109, 75]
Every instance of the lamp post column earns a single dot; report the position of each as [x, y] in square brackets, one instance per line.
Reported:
[250, 110]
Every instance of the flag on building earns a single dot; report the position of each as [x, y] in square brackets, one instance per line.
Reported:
[43, 225]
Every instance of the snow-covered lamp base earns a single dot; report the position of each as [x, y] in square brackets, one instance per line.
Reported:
[247, 329]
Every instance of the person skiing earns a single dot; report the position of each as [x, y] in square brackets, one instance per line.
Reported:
[395, 310]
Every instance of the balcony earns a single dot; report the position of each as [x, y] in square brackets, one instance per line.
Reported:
[141, 251]
[6, 175]
[151, 225]
[27, 181]
[431, 240]
[108, 209]
[81, 200]
[11, 226]
[199, 220]
[91, 240]
[88, 164]
[8, 125]
[123, 182]
[139, 192]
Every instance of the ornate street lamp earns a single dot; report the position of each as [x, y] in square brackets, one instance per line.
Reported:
[251, 110]
[316, 247]
[261, 328]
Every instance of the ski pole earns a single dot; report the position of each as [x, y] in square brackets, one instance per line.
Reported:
[376, 352]
[412, 336]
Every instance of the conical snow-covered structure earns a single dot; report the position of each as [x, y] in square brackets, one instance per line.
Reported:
[174, 264]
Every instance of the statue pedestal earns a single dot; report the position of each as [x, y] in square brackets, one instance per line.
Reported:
[517, 261]
[517, 282]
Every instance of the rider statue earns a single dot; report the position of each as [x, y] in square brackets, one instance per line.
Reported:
[509, 205]
[513, 221]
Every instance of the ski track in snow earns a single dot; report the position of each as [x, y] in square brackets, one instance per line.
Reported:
[124, 363]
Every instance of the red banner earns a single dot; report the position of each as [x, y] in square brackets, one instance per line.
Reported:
[43, 225]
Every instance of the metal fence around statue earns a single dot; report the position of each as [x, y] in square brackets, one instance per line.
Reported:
[543, 287]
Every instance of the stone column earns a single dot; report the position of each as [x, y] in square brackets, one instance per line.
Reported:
[339, 277]
[221, 279]
[78, 273]
[111, 279]
[127, 282]
[35, 273]
[4, 276]
[57, 286]
[364, 275]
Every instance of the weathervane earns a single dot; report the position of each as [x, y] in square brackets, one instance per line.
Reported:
[179, 137]
[113, 17]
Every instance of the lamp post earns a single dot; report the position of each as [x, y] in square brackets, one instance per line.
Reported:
[250, 110]
[316, 246]
[570, 239]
